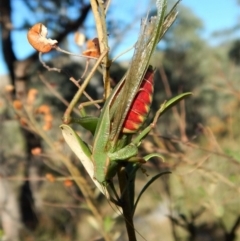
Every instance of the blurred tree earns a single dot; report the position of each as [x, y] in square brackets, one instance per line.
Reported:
[54, 13]
[234, 52]
[184, 64]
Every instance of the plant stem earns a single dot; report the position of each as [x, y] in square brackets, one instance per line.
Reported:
[126, 203]
[80, 181]
[66, 116]
[100, 20]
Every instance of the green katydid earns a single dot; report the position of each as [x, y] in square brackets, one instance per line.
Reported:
[111, 145]
[108, 145]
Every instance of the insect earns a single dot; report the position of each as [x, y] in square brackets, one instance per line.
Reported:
[109, 145]
[125, 109]
[140, 106]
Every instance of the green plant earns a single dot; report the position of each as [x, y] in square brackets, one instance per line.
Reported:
[114, 150]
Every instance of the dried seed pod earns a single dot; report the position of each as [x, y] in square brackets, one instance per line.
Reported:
[93, 49]
[36, 151]
[37, 38]
[47, 116]
[47, 126]
[23, 121]
[48, 119]
[68, 183]
[79, 38]
[17, 104]
[31, 97]
[50, 177]
[43, 109]
[9, 88]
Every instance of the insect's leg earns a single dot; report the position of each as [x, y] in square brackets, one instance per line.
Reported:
[91, 102]
[145, 131]
[85, 70]
[124, 154]
[116, 199]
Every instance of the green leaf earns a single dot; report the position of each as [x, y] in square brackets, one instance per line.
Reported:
[108, 223]
[173, 101]
[88, 122]
[99, 155]
[83, 153]
[148, 157]
[146, 186]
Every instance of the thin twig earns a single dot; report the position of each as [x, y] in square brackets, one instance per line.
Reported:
[66, 116]
[176, 114]
[100, 20]
[72, 54]
[71, 79]
[80, 181]
[53, 90]
[46, 66]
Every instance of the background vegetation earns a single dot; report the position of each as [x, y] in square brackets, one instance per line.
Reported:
[199, 138]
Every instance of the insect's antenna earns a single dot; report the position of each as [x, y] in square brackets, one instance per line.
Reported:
[85, 70]
[124, 52]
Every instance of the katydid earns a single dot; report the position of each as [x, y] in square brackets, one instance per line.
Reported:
[131, 98]
[140, 106]
[108, 140]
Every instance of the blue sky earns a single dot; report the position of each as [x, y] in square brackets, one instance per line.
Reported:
[215, 15]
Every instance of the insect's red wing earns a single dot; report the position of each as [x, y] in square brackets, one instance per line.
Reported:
[141, 104]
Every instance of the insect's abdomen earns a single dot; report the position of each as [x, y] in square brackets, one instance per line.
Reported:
[141, 104]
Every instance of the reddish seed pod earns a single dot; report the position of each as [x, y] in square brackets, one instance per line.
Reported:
[141, 104]
[93, 48]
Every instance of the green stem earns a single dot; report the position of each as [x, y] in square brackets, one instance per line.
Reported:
[126, 203]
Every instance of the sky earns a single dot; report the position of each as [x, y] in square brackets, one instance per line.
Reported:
[215, 15]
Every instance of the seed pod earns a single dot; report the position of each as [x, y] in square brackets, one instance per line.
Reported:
[93, 48]
[37, 37]
[141, 104]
